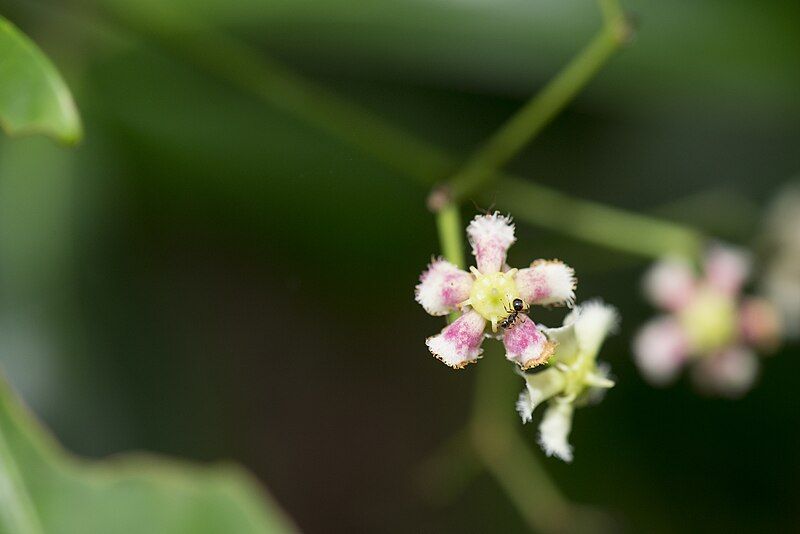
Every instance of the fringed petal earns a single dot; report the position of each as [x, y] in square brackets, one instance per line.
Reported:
[727, 268]
[730, 373]
[661, 348]
[526, 345]
[547, 282]
[595, 320]
[459, 344]
[670, 283]
[442, 287]
[759, 323]
[539, 387]
[490, 237]
[554, 430]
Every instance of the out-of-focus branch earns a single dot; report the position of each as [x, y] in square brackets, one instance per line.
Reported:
[272, 83]
[480, 169]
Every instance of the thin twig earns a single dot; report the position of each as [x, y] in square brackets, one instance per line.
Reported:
[480, 169]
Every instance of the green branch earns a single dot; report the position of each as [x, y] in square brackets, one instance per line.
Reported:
[596, 223]
[503, 145]
[248, 69]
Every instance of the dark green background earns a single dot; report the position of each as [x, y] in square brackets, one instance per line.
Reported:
[210, 277]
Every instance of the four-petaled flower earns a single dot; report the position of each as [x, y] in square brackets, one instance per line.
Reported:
[486, 294]
[572, 379]
[708, 322]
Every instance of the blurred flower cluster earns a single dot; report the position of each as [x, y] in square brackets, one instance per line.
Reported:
[708, 323]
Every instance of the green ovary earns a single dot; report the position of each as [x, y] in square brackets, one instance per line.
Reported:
[709, 321]
[492, 295]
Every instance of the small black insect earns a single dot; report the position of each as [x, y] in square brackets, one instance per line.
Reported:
[517, 307]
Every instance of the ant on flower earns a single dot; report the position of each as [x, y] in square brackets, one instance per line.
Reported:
[517, 307]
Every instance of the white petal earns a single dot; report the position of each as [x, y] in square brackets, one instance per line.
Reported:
[595, 320]
[554, 430]
[538, 388]
[442, 287]
[525, 407]
[727, 268]
[730, 373]
[459, 344]
[598, 382]
[547, 282]
[670, 283]
[490, 237]
[600, 378]
[661, 349]
[567, 348]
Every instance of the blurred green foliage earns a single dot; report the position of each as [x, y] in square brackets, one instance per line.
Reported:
[44, 490]
[33, 97]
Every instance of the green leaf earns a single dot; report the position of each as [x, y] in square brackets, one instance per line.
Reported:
[33, 96]
[45, 490]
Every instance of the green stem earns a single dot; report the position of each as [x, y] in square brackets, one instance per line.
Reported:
[448, 223]
[479, 170]
[506, 457]
[509, 459]
[596, 223]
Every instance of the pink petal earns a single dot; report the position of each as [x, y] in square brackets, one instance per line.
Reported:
[490, 237]
[526, 345]
[727, 268]
[442, 287]
[759, 323]
[459, 344]
[670, 284]
[730, 373]
[547, 282]
[661, 348]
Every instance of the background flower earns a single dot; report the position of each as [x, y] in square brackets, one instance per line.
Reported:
[708, 323]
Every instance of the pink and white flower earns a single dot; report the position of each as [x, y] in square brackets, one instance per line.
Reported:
[708, 323]
[485, 295]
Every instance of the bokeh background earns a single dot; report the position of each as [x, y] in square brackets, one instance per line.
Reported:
[209, 276]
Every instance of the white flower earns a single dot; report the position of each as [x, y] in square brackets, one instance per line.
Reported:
[573, 377]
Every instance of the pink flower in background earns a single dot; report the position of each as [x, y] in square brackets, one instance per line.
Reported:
[486, 295]
[708, 323]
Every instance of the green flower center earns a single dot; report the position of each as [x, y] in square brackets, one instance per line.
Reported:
[709, 321]
[492, 295]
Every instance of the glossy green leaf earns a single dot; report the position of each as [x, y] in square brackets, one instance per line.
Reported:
[45, 490]
[33, 96]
